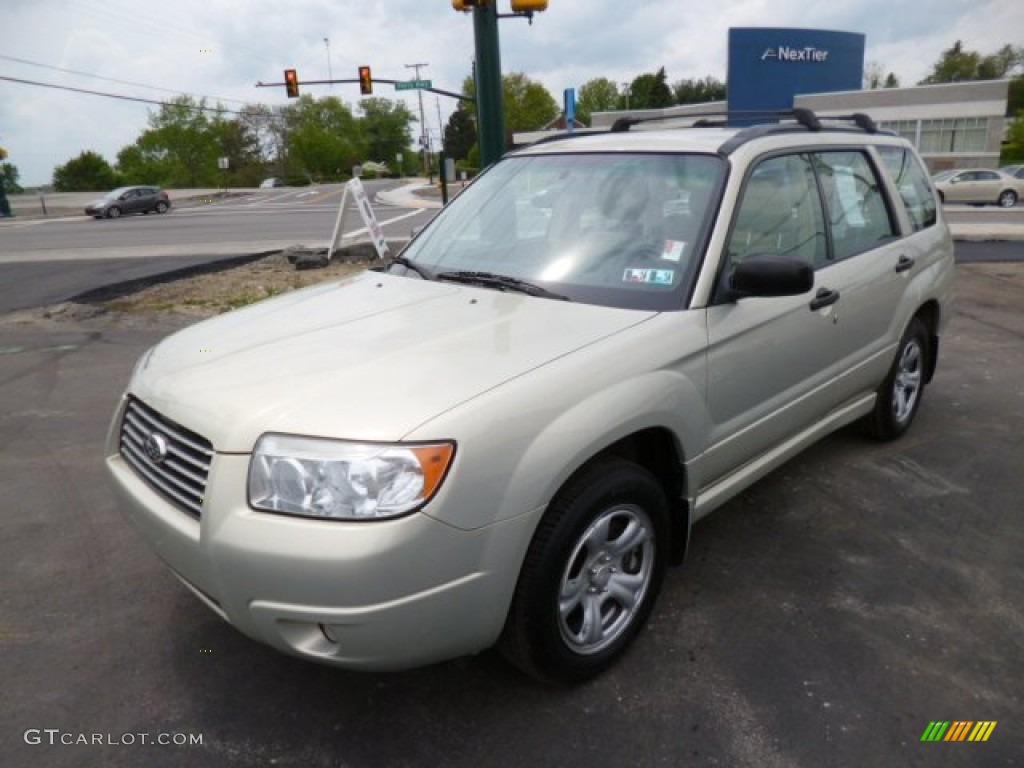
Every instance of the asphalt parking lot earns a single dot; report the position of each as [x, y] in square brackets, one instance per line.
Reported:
[823, 618]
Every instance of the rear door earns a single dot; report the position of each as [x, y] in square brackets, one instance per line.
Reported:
[868, 264]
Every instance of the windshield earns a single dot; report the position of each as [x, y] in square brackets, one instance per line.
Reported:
[623, 230]
[943, 175]
[114, 194]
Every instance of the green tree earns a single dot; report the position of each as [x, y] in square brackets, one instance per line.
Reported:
[1013, 148]
[698, 90]
[650, 91]
[528, 105]
[597, 95]
[179, 149]
[324, 138]
[875, 77]
[385, 126]
[237, 142]
[86, 173]
[460, 133]
[9, 178]
[958, 65]
[1015, 96]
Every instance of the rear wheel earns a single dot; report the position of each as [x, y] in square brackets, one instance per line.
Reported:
[899, 397]
[1007, 198]
[113, 212]
[591, 575]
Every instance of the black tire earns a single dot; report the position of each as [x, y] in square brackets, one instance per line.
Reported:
[601, 546]
[161, 207]
[900, 395]
[1007, 199]
[113, 212]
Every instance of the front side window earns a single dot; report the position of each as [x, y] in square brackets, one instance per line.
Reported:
[912, 182]
[620, 229]
[780, 213]
[857, 212]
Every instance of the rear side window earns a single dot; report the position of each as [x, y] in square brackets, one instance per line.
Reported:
[857, 211]
[913, 184]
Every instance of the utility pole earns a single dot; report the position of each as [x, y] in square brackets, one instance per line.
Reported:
[327, 45]
[424, 139]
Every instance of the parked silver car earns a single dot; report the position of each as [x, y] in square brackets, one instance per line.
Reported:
[505, 434]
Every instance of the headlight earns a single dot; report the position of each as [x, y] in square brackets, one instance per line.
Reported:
[348, 481]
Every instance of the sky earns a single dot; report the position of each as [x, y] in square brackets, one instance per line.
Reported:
[221, 48]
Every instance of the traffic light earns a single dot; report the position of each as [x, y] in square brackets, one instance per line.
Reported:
[529, 6]
[365, 81]
[291, 83]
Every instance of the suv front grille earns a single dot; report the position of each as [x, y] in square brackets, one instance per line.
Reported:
[170, 458]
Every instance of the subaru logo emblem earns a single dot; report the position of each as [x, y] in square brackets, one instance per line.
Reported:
[155, 447]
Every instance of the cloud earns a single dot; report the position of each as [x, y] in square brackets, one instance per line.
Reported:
[221, 49]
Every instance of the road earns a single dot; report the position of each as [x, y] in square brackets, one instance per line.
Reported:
[824, 617]
[46, 261]
[258, 222]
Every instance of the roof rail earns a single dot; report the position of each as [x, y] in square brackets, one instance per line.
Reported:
[802, 115]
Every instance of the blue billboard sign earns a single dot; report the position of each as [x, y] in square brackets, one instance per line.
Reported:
[768, 66]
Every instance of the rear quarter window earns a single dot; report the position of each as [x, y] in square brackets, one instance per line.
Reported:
[913, 185]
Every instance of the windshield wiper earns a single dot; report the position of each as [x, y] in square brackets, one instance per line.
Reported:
[502, 283]
[423, 272]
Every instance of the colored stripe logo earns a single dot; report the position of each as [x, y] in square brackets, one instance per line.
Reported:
[958, 730]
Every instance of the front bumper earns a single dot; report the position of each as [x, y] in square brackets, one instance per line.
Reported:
[380, 595]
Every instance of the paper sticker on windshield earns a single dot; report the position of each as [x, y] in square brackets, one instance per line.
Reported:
[673, 250]
[652, 276]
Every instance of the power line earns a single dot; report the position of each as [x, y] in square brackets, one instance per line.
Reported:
[122, 97]
[110, 79]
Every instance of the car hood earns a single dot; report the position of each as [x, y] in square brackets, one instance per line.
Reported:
[369, 358]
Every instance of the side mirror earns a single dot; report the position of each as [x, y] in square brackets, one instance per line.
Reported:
[769, 275]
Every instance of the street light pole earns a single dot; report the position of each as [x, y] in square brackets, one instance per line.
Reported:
[490, 109]
[327, 45]
[424, 140]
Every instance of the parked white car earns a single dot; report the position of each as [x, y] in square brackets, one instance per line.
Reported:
[504, 435]
[979, 186]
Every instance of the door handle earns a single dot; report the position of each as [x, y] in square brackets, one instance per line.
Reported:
[904, 264]
[823, 298]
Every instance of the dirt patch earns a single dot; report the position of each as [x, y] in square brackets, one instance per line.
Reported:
[211, 293]
[180, 297]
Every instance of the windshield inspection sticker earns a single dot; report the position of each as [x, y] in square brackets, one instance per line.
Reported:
[653, 276]
[673, 250]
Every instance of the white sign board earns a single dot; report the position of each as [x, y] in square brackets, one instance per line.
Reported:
[369, 219]
[223, 163]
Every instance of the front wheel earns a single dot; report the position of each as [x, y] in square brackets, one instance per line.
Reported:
[899, 397]
[591, 574]
[113, 212]
[1007, 198]
[161, 207]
